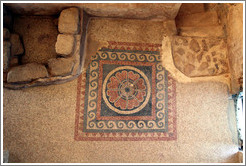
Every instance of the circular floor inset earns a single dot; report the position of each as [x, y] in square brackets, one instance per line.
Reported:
[126, 90]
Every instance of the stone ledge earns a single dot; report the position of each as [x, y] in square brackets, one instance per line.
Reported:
[211, 31]
[28, 72]
[167, 60]
[199, 56]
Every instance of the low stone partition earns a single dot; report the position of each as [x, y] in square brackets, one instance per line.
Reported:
[200, 56]
[197, 71]
[66, 66]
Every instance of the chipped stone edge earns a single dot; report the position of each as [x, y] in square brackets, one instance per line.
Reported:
[84, 20]
[167, 60]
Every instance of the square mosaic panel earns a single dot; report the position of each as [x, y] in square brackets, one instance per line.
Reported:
[126, 95]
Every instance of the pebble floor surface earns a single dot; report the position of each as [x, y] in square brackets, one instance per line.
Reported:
[39, 122]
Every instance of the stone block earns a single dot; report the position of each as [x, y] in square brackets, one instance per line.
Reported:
[6, 55]
[69, 21]
[60, 66]
[6, 34]
[27, 72]
[198, 19]
[169, 28]
[16, 45]
[64, 44]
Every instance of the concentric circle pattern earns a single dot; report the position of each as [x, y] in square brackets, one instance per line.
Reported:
[126, 90]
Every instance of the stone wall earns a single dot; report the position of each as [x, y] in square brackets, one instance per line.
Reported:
[200, 48]
[197, 52]
[163, 11]
[65, 66]
[208, 45]
[235, 45]
[231, 18]
[39, 35]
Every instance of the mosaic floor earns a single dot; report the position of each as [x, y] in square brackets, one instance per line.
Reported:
[126, 94]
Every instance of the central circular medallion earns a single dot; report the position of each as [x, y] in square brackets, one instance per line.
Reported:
[126, 90]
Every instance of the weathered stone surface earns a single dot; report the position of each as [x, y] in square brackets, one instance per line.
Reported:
[6, 34]
[69, 21]
[214, 59]
[211, 71]
[190, 57]
[204, 31]
[204, 45]
[6, 55]
[194, 45]
[16, 45]
[27, 72]
[78, 56]
[208, 58]
[180, 51]
[169, 27]
[224, 63]
[177, 60]
[200, 55]
[213, 42]
[189, 68]
[13, 61]
[39, 35]
[203, 66]
[213, 53]
[216, 66]
[235, 45]
[198, 20]
[64, 44]
[181, 41]
[191, 8]
[163, 11]
[60, 66]
[55, 21]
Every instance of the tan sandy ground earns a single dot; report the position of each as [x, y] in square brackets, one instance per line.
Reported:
[39, 122]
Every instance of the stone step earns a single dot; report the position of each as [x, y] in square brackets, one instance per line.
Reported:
[198, 19]
[208, 31]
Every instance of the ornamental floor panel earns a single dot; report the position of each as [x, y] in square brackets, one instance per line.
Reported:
[126, 94]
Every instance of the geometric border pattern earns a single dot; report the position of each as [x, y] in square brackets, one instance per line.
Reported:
[90, 125]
